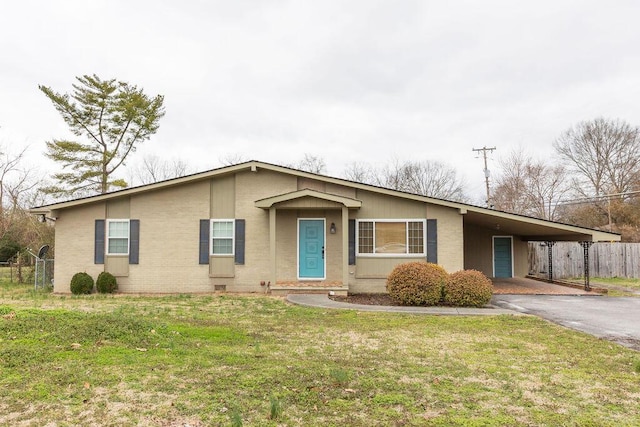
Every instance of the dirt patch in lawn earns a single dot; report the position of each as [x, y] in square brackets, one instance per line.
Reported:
[367, 299]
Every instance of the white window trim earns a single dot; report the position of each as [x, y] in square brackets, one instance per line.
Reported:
[423, 254]
[233, 236]
[106, 237]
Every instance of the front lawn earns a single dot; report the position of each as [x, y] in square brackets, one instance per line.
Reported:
[256, 360]
[617, 286]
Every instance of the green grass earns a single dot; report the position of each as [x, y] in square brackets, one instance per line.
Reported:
[254, 360]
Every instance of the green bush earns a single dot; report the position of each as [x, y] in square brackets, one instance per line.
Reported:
[468, 288]
[416, 283]
[81, 283]
[106, 283]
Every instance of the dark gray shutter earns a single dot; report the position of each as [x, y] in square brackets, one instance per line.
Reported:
[204, 241]
[240, 232]
[432, 241]
[98, 248]
[352, 242]
[134, 241]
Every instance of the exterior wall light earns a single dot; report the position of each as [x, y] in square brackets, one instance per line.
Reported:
[332, 228]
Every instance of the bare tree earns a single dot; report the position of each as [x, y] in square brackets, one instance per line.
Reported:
[311, 163]
[530, 187]
[433, 179]
[548, 185]
[231, 159]
[391, 175]
[19, 190]
[23, 191]
[510, 186]
[360, 172]
[153, 169]
[9, 165]
[604, 156]
[427, 178]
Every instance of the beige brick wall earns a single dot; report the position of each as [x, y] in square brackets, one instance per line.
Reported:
[74, 240]
[378, 267]
[252, 186]
[287, 245]
[450, 237]
[376, 206]
[521, 257]
[169, 230]
[368, 286]
[169, 240]
[119, 208]
[333, 246]
[369, 274]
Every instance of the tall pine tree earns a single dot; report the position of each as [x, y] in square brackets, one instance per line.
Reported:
[110, 118]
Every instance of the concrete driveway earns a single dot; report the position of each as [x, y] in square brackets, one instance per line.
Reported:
[613, 319]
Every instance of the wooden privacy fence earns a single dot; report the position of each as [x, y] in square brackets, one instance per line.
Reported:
[605, 260]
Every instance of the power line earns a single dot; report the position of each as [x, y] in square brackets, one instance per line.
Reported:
[594, 199]
[598, 198]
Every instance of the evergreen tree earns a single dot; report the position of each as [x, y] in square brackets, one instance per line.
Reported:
[109, 118]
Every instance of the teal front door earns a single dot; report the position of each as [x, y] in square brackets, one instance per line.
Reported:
[311, 249]
[502, 258]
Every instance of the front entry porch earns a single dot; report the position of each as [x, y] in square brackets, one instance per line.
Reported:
[301, 287]
[308, 241]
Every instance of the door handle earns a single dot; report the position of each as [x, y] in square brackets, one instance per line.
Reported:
[323, 252]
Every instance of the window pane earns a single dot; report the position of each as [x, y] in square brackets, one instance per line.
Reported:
[118, 246]
[391, 238]
[222, 229]
[365, 237]
[119, 229]
[416, 237]
[222, 246]
[118, 237]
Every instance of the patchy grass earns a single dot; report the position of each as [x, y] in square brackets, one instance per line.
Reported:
[255, 360]
[618, 281]
[617, 286]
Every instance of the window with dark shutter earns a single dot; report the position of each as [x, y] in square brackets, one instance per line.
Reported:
[204, 241]
[134, 241]
[239, 243]
[432, 241]
[352, 242]
[98, 257]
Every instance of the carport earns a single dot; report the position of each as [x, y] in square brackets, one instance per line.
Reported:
[496, 242]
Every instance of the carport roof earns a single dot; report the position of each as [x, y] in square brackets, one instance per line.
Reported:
[533, 229]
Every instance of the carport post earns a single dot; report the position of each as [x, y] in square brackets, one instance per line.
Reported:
[549, 248]
[586, 245]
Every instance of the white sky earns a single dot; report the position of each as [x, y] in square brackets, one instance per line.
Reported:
[359, 80]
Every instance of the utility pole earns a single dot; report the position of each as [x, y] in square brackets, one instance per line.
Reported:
[486, 171]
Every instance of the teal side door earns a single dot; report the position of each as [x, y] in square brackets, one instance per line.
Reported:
[311, 249]
[502, 258]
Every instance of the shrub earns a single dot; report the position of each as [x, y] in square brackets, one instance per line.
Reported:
[416, 283]
[468, 288]
[81, 283]
[106, 283]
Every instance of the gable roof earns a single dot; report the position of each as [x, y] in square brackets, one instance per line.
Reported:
[508, 223]
[300, 194]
